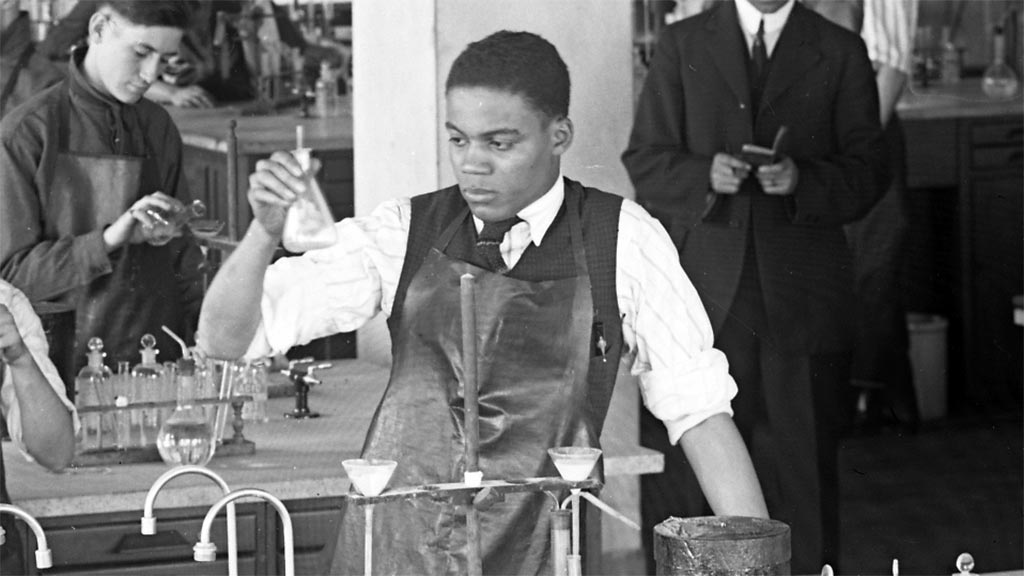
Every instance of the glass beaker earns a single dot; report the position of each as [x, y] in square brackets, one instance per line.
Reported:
[186, 436]
[308, 225]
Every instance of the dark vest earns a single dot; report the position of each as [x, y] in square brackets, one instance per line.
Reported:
[552, 260]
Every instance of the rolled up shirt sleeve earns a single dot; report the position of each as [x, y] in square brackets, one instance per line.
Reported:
[683, 378]
[335, 289]
[32, 334]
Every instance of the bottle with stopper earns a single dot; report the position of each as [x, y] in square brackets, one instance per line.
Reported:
[148, 379]
[308, 223]
[92, 389]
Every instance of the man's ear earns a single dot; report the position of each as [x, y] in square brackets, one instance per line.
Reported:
[98, 23]
[561, 135]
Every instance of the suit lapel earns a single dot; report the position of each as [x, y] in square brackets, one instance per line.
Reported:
[724, 44]
[794, 55]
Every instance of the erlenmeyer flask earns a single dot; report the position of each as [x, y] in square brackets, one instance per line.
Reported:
[308, 224]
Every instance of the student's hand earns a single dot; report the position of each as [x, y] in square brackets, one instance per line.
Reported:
[779, 179]
[191, 97]
[143, 222]
[12, 347]
[727, 173]
[275, 184]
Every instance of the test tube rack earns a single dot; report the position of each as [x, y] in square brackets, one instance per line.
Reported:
[237, 445]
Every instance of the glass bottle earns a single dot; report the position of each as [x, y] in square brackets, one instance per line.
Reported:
[186, 437]
[122, 391]
[256, 379]
[174, 221]
[148, 379]
[999, 80]
[328, 102]
[308, 223]
[950, 59]
[90, 387]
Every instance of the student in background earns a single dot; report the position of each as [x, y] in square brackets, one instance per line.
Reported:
[23, 72]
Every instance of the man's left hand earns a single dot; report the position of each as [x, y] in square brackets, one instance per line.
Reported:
[779, 179]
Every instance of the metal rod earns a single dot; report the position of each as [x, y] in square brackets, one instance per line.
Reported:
[469, 370]
[368, 543]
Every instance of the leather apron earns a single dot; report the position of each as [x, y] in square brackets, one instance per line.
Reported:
[141, 292]
[533, 360]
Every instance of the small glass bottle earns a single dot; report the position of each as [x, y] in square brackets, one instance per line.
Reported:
[308, 223]
[951, 66]
[148, 379]
[90, 387]
[256, 411]
[328, 102]
[999, 80]
[186, 437]
[173, 222]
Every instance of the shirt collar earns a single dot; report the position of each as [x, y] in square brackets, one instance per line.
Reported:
[540, 213]
[750, 18]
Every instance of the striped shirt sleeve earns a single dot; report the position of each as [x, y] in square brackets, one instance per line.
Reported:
[888, 31]
[683, 378]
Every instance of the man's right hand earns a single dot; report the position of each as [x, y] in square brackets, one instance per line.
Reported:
[138, 223]
[727, 173]
[273, 187]
[12, 347]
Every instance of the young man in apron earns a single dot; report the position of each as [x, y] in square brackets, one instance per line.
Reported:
[39, 416]
[84, 166]
[572, 279]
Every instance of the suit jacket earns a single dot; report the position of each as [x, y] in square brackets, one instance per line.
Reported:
[696, 102]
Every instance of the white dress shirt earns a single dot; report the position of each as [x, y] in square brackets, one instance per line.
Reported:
[31, 330]
[666, 331]
[750, 20]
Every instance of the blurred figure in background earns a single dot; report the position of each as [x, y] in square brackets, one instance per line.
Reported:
[41, 420]
[23, 72]
[211, 65]
[881, 364]
[89, 173]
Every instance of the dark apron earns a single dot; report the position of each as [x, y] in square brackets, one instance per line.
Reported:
[141, 292]
[12, 80]
[533, 360]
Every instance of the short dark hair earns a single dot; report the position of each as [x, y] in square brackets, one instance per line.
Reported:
[166, 13]
[521, 63]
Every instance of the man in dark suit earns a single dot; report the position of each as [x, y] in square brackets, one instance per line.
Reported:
[764, 243]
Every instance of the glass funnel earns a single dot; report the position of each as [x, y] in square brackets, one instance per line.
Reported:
[369, 476]
[574, 463]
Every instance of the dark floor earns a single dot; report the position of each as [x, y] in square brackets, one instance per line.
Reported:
[955, 486]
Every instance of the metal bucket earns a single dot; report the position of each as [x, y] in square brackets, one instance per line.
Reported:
[722, 545]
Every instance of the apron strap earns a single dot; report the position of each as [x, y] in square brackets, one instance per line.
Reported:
[12, 81]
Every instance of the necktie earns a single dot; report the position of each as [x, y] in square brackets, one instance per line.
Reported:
[488, 243]
[759, 54]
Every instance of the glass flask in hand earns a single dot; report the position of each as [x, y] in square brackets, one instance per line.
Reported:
[308, 224]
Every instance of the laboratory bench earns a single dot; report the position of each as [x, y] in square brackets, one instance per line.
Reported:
[92, 515]
[965, 180]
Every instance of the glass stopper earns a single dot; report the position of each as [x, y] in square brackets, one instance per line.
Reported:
[95, 344]
[965, 563]
[148, 341]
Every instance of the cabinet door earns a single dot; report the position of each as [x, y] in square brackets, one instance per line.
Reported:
[114, 544]
[997, 257]
[315, 525]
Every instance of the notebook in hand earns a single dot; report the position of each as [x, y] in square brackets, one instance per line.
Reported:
[759, 155]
